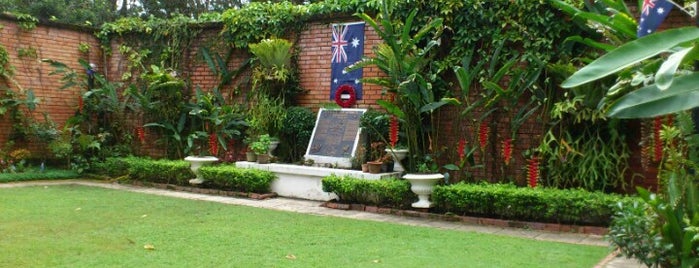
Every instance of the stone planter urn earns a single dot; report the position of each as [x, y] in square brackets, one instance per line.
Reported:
[195, 162]
[272, 146]
[398, 156]
[422, 185]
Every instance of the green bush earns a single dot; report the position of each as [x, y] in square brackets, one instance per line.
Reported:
[113, 166]
[32, 174]
[386, 192]
[531, 204]
[160, 171]
[227, 177]
[296, 133]
[632, 232]
[146, 169]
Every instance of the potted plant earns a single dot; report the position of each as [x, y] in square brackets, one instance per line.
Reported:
[261, 148]
[376, 153]
[250, 155]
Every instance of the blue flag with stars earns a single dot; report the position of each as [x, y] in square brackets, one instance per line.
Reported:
[347, 48]
[653, 12]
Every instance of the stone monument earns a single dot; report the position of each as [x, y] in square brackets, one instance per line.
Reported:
[335, 137]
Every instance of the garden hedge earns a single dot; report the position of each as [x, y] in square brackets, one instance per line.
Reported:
[508, 201]
[386, 192]
[146, 169]
[226, 177]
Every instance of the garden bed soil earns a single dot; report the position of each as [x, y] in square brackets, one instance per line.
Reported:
[552, 227]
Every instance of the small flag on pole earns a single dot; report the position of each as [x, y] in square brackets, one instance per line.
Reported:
[653, 12]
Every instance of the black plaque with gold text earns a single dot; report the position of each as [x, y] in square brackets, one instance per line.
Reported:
[335, 133]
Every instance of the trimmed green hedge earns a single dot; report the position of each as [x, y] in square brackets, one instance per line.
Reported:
[386, 192]
[146, 169]
[227, 177]
[224, 177]
[507, 201]
[48, 174]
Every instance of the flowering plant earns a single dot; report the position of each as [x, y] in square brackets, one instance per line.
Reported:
[408, 78]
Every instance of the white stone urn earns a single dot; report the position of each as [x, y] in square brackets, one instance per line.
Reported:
[195, 162]
[398, 156]
[422, 185]
[272, 146]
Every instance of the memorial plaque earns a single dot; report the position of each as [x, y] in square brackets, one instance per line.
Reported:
[335, 137]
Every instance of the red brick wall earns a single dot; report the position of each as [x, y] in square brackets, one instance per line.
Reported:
[313, 44]
[54, 42]
[314, 62]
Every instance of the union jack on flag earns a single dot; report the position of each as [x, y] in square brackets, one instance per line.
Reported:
[339, 43]
[653, 12]
[347, 48]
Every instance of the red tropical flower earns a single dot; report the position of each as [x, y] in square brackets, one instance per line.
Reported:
[533, 171]
[80, 103]
[658, 150]
[141, 134]
[462, 149]
[213, 144]
[483, 135]
[507, 150]
[394, 131]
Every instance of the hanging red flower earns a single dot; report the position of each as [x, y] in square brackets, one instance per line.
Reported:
[345, 89]
[213, 144]
[507, 150]
[141, 134]
[394, 131]
[483, 135]
[80, 103]
[462, 149]
[533, 171]
[658, 150]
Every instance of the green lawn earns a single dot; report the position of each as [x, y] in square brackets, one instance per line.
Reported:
[79, 226]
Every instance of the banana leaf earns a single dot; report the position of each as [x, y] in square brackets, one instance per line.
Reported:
[666, 73]
[631, 53]
[651, 101]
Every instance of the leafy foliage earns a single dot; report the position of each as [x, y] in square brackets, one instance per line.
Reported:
[388, 192]
[523, 203]
[405, 59]
[145, 169]
[33, 174]
[295, 133]
[227, 177]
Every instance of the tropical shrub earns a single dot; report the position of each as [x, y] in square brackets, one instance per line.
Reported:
[145, 169]
[386, 192]
[405, 60]
[295, 133]
[35, 174]
[508, 201]
[227, 177]
[631, 230]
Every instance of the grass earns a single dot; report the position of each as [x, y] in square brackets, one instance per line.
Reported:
[79, 226]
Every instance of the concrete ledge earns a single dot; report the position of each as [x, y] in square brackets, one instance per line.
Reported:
[305, 182]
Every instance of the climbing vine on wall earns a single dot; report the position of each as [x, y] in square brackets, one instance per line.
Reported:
[157, 41]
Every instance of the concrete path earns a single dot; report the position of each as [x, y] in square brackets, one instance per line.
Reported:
[315, 208]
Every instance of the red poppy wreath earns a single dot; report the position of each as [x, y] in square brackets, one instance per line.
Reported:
[345, 89]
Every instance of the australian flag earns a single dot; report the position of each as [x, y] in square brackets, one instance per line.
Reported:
[347, 48]
[653, 12]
